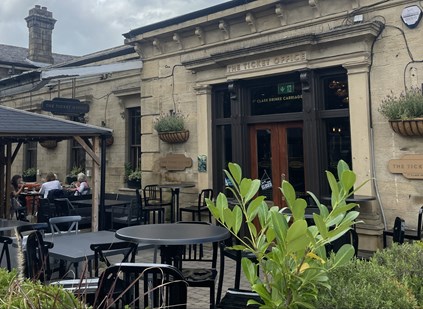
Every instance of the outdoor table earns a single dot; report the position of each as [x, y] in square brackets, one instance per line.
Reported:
[107, 203]
[9, 225]
[75, 248]
[175, 188]
[172, 237]
[353, 198]
[33, 195]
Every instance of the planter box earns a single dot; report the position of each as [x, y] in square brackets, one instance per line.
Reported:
[174, 137]
[412, 127]
[134, 184]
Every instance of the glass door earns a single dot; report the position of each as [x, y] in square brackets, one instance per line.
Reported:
[277, 154]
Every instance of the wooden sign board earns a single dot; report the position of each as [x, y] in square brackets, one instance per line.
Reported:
[175, 162]
[410, 166]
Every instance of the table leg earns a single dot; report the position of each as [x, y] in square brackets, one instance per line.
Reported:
[176, 205]
[172, 255]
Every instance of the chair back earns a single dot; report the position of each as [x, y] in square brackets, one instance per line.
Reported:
[111, 196]
[64, 224]
[55, 193]
[153, 196]
[44, 210]
[419, 223]
[63, 207]
[164, 286]
[5, 254]
[37, 264]
[128, 250]
[204, 194]
[399, 230]
[350, 237]
[126, 215]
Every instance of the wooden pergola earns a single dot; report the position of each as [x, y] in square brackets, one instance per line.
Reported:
[18, 127]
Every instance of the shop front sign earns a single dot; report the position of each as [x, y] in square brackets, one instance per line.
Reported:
[410, 166]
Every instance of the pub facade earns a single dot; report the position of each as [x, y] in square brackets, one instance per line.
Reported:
[286, 89]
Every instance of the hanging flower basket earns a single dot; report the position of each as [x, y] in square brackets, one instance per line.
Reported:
[174, 137]
[49, 144]
[411, 127]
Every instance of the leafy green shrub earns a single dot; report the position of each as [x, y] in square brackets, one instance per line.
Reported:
[406, 263]
[23, 294]
[291, 257]
[407, 105]
[363, 284]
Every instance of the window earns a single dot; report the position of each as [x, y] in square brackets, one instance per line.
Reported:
[134, 137]
[77, 155]
[30, 155]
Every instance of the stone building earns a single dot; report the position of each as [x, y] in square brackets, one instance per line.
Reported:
[286, 88]
[108, 82]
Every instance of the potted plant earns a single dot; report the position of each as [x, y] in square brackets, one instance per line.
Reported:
[404, 112]
[171, 128]
[29, 175]
[290, 253]
[73, 174]
[134, 179]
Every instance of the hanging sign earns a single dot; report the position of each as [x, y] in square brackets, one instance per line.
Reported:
[266, 182]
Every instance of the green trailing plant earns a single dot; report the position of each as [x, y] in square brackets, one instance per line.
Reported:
[172, 122]
[135, 176]
[76, 170]
[30, 172]
[290, 254]
[128, 170]
[408, 105]
[365, 284]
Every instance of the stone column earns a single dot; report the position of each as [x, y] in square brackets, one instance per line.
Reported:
[204, 131]
[359, 100]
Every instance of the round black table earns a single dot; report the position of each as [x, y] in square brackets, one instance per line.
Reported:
[172, 237]
[353, 198]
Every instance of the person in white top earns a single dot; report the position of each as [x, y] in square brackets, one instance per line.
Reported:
[50, 184]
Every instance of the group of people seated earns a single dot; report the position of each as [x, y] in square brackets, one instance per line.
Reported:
[80, 187]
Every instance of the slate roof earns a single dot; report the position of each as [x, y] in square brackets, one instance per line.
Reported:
[18, 55]
[21, 126]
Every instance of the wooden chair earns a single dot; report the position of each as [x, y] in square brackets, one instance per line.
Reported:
[5, 253]
[397, 232]
[64, 225]
[37, 264]
[164, 286]
[200, 207]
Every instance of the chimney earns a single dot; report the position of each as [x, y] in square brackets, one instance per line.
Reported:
[40, 23]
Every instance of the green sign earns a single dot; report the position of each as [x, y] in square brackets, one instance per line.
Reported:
[286, 88]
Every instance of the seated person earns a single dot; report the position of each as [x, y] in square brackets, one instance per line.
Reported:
[50, 184]
[81, 186]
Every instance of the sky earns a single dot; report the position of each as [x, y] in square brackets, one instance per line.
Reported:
[87, 26]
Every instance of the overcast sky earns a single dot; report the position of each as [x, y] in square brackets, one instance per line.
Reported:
[87, 26]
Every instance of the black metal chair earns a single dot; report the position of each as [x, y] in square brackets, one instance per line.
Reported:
[235, 299]
[5, 253]
[153, 196]
[125, 216]
[45, 210]
[200, 207]
[164, 286]
[226, 251]
[148, 212]
[127, 249]
[397, 234]
[411, 234]
[198, 276]
[350, 237]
